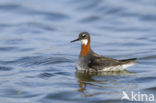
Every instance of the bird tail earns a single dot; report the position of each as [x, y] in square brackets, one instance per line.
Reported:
[128, 62]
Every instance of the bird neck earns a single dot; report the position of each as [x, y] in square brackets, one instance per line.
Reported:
[85, 48]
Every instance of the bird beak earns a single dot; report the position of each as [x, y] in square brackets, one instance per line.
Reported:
[75, 40]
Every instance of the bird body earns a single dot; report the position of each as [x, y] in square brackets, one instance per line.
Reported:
[92, 62]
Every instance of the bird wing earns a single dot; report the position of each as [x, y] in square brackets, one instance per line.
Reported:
[100, 62]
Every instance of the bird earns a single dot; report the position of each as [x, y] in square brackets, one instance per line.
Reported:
[89, 61]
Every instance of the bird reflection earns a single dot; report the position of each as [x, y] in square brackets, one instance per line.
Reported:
[88, 79]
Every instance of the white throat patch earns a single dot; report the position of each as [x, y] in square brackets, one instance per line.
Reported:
[84, 41]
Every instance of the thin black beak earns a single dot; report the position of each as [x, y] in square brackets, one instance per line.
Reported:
[75, 40]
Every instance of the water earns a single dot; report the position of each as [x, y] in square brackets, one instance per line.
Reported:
[37, 62]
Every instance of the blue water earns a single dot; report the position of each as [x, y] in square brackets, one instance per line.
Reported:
[37, 60]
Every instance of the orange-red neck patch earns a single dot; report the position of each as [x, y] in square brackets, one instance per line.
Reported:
[85, 48]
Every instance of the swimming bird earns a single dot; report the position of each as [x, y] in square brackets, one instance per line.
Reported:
[89, 61]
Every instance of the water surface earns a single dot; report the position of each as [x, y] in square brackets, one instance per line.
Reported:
[37, 62]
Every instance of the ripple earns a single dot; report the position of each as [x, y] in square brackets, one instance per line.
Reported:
[8, 49]
[61, 96]
[148, 18]
[63, 73]
[113, 101]
[151, 89]
[9, 7]
[87, 5]
[46, 75]
[34, 84]
[15, 41]
[30, 26]
[145, 79]
[50, 16]
[14, 93]
[148, 57]
[107, 10]
[37, 60]
[3, 68]
[90, 19]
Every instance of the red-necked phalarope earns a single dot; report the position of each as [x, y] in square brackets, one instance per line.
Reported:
[92, 62]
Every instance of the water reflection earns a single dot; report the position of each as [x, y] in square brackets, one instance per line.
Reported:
[86, 80]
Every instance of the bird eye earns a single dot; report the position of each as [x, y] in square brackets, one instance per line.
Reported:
[83, 35]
